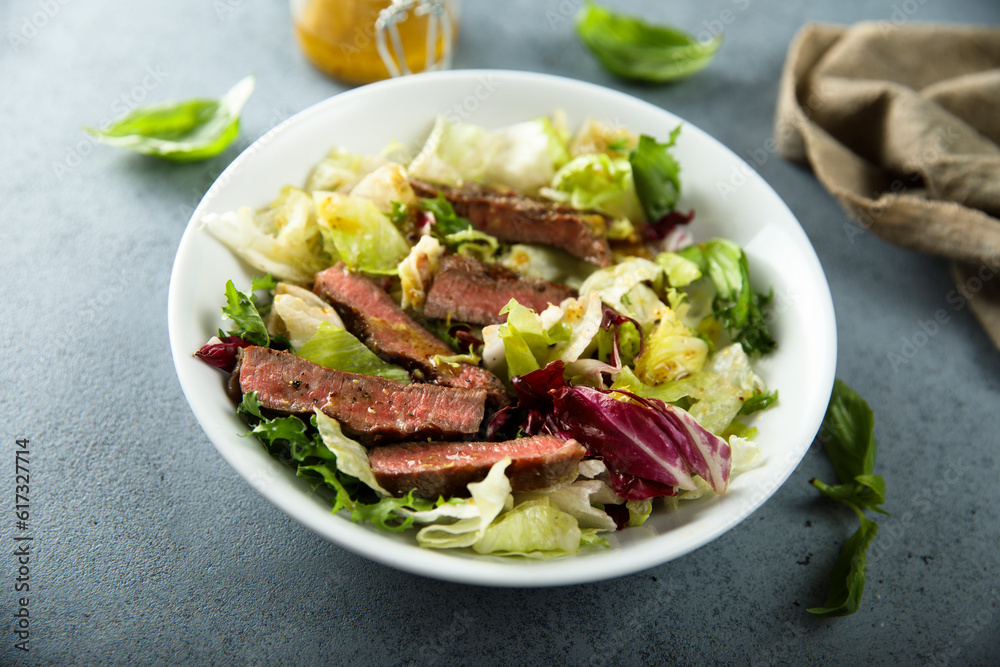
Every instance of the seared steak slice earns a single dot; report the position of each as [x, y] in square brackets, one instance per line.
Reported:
[445, 468]
[370, 409]
[473, 292]
[371, 315]
[519, 219]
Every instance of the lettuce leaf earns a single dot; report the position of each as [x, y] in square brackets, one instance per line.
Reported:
[656, 174]
[523, 156]
[597, 182]
[535, 529]
[297, 313]
[242, 309]
[352, 458]
[338, 349]
[737, 305]
[283, 240]
[474, 515]
[364, 237]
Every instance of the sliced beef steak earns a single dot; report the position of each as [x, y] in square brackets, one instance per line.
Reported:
[473, 292]
[445, 468]
[370, 409]
[371, 315]
[519, 219]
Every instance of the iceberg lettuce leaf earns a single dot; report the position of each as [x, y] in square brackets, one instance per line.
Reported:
[363, 236]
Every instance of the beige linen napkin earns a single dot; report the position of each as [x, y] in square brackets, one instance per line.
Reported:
[901, 123]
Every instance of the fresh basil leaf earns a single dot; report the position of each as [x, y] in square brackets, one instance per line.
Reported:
[634, 49]
[848, 576]
[656, 174]
[848, 434]
[184, 131]
[241, 308]
[849, 441]
[868, 491]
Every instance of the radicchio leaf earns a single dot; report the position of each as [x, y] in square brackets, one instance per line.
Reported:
[221, 352]
[651, 448]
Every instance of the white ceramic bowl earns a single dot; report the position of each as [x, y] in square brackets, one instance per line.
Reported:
[364, 120]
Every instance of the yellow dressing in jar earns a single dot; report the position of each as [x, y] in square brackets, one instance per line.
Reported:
[341, 37]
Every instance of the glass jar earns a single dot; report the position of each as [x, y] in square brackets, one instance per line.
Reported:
[360, 41]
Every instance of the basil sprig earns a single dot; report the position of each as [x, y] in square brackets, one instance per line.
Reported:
[848, 437]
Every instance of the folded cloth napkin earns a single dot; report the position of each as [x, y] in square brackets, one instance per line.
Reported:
[901, 123]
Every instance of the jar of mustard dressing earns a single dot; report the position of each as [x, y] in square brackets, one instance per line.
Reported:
[360, 41]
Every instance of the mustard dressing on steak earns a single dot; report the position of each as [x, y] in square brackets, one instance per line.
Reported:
[369, 409]
[446, 468]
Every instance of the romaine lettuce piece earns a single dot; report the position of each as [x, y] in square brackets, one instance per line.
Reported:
[547, 263]
[737, 305]
[341, 170]
[364, 237]
[335, 348]
[523, 156]
[597, 136]
[527, 155]
[624, 287]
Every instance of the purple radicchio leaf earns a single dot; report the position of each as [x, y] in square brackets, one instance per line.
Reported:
[651, 448]
[222, 352]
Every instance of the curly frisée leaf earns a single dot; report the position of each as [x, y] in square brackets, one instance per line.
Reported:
[634, 49]
[185, 131]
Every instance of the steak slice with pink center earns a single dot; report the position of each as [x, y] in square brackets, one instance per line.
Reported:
[372, 315]
[470, 291]
[369, 409]
[518, 219]
[446, 468]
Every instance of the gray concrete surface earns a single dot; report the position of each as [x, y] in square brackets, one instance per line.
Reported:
[148, 549]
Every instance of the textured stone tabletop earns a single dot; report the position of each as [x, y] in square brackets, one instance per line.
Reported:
[148, 549]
